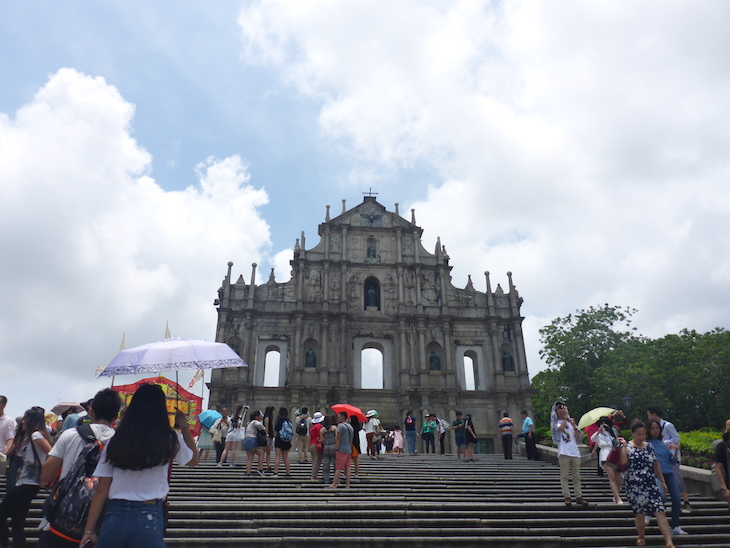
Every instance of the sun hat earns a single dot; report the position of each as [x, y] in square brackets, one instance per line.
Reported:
[318, 417]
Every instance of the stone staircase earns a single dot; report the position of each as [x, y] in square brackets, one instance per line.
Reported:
[420, 501]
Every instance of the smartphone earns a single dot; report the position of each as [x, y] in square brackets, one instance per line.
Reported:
[88, 544]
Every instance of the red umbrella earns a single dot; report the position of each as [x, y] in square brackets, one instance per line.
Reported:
[350, 410]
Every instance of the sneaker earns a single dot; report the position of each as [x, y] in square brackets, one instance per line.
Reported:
[676, 531]
[686, 508]
[219, 465]
[647, 520]
[260, 472]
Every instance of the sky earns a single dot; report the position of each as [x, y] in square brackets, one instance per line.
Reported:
[580, 145]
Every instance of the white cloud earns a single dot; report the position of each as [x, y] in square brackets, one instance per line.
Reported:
[92, 247]
[580, 145]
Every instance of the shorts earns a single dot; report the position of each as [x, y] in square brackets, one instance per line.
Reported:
[283, 445]
[460, 442]
[235, 435]
[342, 460]
[250, 444]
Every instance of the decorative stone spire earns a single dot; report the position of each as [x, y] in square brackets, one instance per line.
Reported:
[272, 278]
[327, 216]
[469, 286]
[413, 216]
[490, 297]
[396, 209]
[252, 287]
[344, 207]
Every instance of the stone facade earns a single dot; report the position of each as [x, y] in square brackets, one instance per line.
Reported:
[369, 283]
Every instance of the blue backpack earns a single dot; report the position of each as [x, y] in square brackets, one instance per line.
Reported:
[286, 433]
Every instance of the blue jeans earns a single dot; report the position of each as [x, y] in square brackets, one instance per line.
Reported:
[132, 524]
[411, 440]
[674, 493]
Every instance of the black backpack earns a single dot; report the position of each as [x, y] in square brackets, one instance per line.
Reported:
[67, 508]
[302, 426]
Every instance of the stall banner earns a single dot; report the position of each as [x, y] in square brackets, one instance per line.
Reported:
[177, 398]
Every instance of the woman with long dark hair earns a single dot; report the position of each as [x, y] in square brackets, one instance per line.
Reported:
[282, 446]
[471, 437]
[667, 458]
[32, 444]
[269, 427]
[252, 442]
[132, 473]
[235, 435]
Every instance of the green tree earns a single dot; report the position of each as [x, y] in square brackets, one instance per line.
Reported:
[595, 358]
[577, 346]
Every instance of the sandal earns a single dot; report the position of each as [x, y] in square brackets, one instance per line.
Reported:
[567, 501]
[641, 541]
[582, 501]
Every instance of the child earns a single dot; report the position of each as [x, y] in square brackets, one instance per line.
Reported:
[398, 441]
[641, 483]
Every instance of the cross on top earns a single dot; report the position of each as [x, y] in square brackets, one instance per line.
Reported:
[370, 193]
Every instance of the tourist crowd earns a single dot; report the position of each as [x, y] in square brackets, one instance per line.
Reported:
[131, 460]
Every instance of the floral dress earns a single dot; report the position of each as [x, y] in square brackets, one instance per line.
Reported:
[642, 488]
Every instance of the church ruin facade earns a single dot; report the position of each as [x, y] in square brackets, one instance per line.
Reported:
[369, 297]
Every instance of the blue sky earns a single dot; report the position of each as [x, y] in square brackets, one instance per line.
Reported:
[581, 146]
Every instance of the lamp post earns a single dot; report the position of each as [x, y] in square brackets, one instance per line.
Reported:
[627, 401]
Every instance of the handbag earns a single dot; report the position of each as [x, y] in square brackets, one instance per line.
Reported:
[261, 438]
[614, 460]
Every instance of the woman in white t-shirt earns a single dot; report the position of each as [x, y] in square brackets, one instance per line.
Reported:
[32, 444]
[565, 436]
[132, 473]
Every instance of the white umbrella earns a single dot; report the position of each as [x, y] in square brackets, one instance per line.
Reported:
[173, 354]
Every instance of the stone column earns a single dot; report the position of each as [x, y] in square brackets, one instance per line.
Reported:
[520, 357]
[401, 302]
[449, 356]
[249, 346]
[326, 243]
[296, 366]
[300, 285]
[344, 367]
[422, 369]
[403, 353]
[322, 364]
[418, 297]
[496, 358]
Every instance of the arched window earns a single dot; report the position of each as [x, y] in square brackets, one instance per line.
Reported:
[271, 366]
[372, 368]
[469, 374]
[371, 289]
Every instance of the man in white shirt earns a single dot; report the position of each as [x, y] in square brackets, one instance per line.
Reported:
[104, 410]
[7, 428]
[7, 435]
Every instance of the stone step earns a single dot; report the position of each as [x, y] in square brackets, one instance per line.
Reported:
[417, 502]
